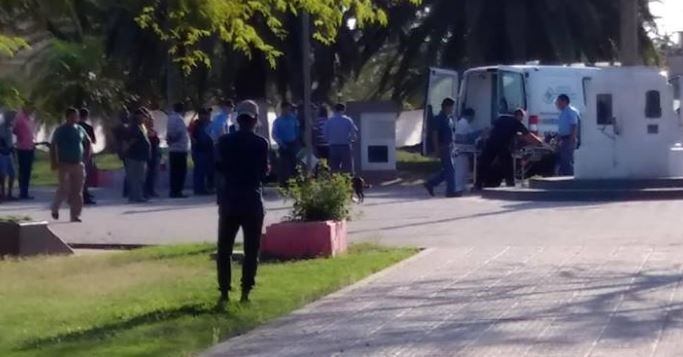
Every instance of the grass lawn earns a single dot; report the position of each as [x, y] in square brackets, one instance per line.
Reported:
[412, 165]
[155, 301]
[42, 175]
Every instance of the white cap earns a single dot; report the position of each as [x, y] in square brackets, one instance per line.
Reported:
[247, 107]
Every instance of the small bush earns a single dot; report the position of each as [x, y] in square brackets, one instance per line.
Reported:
[324, 197]
[15, 219]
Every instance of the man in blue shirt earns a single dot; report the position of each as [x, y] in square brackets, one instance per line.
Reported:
[286, 134]
[341, 132]
[568, 132]
[221, 124]
[443, 145]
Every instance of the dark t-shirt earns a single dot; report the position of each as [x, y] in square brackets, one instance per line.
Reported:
[89, 130]
[139, 147]
[242, 161]
[201, 140]
[504, 131]
[442, 125]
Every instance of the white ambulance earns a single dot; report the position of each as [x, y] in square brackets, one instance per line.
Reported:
[497, 90]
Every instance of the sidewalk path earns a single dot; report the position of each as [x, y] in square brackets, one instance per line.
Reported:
[493, 301]
[500, 278]
[402, 216]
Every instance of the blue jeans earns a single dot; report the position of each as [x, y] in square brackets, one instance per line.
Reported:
[447, 172]
[565, 158]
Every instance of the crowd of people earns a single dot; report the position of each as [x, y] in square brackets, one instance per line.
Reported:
[455, 143]
[229, 160]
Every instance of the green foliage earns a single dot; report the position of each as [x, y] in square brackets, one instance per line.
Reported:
[247, 25]
[75, 74]
[9, 45]
[10, 96]
[15, 219]
[322, 198]
[157, 301]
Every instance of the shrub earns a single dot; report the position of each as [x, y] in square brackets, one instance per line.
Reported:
[15, 219]
[323, 197]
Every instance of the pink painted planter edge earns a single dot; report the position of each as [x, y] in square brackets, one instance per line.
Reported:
[302, 240]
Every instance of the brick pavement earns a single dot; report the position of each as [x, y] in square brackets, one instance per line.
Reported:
[493, 301]
[500, 278]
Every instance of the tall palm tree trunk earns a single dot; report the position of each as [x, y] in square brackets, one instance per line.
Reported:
[629, 25]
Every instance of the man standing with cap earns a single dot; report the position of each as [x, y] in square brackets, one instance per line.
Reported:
[242, 160]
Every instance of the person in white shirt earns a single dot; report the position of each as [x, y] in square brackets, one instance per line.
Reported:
[464, 138]
[178, 141]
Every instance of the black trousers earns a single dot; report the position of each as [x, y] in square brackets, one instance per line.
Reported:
[228, 225]
[151, 178]
[288, 161]
[177, 162]
[495, 166]
[25, 160]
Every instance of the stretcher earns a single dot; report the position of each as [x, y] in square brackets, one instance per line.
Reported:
[524, 159]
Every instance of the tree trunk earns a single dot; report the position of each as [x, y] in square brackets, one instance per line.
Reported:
[628, 51]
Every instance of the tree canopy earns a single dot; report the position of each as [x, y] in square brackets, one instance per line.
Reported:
[109, 53]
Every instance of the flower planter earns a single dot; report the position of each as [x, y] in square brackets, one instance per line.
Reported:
[30, 238]
[301, 240]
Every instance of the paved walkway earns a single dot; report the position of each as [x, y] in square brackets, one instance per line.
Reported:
[494, 301]
[499, 278]
[397, 216]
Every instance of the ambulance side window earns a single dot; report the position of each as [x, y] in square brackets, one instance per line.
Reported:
[604, 108]
[653, 104]
[511, 94]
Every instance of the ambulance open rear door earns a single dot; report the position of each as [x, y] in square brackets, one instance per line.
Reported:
[442, 83]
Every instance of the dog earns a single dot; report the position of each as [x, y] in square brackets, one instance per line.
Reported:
[359, 187]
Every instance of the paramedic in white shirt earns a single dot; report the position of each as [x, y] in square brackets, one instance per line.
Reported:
[464, 140]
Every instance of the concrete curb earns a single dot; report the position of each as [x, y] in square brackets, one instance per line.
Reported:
[597, 195]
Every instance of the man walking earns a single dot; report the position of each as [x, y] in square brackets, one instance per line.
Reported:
[84, 114]
[341, 132]
[443, 147]
[568, 123]
[7, 173]
[242, 160]
[137, 155]
[178, 145]
[70, 149]
[24, 129]
[286, 133]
